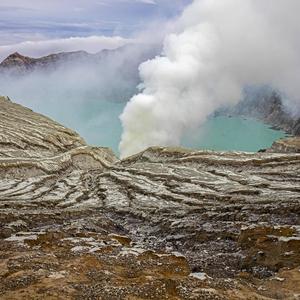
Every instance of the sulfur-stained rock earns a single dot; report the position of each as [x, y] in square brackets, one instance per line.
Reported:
[272, 247]
[291, 145]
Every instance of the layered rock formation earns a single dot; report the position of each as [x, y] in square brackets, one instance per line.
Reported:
[289, 145]
[76, 223]
[31, 144]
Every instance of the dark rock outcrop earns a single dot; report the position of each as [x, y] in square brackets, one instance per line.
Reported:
[267, 107]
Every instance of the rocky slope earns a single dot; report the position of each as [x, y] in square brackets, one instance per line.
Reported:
[31, 144]
[18, 64]
[76, 223]
[268, 107]
[289, 145]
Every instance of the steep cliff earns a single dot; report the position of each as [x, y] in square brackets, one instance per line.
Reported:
[166, 223]
[268, 107]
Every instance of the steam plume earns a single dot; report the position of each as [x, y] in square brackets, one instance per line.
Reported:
[220, 46]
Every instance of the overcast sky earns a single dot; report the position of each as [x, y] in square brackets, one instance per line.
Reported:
[24, 21]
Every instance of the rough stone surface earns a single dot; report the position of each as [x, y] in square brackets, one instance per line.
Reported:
[288, 145]
[166, 223]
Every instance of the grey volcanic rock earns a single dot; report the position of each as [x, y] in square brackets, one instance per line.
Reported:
[167, 223]
[291, 144]
[268, 107]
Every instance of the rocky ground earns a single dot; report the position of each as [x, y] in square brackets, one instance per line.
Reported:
[289, 145]
[77, 223]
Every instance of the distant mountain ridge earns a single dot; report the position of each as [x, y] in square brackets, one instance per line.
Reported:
[18, 64]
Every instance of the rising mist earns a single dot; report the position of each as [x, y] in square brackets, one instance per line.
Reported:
[86, 92]
[219, 47]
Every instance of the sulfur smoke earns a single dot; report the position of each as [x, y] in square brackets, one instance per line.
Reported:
[220, 47]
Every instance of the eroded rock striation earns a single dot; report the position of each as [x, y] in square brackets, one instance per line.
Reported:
[288, 145]
[167, 223]
[31, 144]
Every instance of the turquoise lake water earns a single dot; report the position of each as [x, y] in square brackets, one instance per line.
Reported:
[97, 121]
[235, 133]
[99, 124]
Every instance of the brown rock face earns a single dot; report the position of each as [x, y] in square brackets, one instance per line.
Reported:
[167, 223]
[291, 145]
[17, 64]
[272, 247]
[17, 60]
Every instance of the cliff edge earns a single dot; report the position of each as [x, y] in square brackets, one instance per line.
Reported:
[32, 144]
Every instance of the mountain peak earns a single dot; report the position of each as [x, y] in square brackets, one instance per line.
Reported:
[16, 59]
[20, 63]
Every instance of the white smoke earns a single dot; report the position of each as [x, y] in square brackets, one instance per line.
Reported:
[220, 46]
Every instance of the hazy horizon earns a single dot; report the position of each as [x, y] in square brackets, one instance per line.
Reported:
[36, 28]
